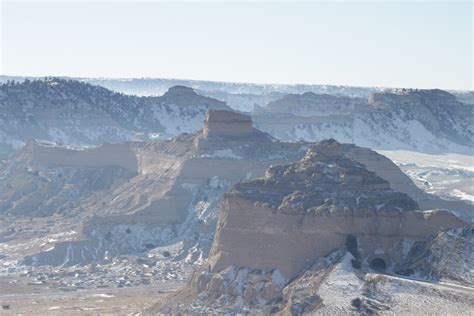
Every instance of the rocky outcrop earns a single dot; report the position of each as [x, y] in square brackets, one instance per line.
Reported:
[47, 154]
[188, 97]
[220, 123]
[43, 180]
[78, 114]
[173, 195]
[311, 104]
[412, 97]
[162, 186]
[281, 240]
[300, 212]
[421, 120]
[437, 110]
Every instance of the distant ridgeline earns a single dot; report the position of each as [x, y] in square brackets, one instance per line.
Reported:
[76, 113]
[430, 121]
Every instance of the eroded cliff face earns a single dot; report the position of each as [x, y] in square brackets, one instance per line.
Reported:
[170, 195]
[264, 238]
[227, 124]
[311, 104]
[303, 211]
[307, 237]
[48, 154]
[430, 121]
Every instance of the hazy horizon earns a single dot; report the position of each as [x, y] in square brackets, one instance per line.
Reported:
[220, 81]
[393, 45]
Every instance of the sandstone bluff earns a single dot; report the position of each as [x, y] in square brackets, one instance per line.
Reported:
[167, 192]
[300, 212]
[279, 235]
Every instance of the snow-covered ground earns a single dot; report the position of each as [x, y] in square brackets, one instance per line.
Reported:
[449, 175]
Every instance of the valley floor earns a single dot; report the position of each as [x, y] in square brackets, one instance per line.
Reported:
[450, 176]
[26, 298]
[385, 294]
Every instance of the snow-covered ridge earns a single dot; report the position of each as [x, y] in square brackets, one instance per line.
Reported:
[430, 121]
[158, 86]
[80, 114]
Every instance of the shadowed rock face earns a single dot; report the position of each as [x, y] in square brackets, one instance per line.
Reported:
[221, 123]
[301, 212]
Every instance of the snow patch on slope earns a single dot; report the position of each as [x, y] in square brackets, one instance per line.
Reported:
[178, 120]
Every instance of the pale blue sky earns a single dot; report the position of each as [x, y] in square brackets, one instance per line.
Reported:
[395, 44]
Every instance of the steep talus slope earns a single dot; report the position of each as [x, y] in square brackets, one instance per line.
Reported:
[44, 179]
[281, 240]
[76, 113]
[330, 286]
[421, 120]
[447, 256]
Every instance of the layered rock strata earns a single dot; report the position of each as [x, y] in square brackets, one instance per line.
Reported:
[301, 212]
[46, 154]
[306, 238]
[221, 123]
[174, 193]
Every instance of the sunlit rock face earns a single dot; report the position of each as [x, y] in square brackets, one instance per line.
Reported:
[300, 212]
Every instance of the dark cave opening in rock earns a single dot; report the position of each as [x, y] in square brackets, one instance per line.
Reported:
[353, 247]
[378, 264]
